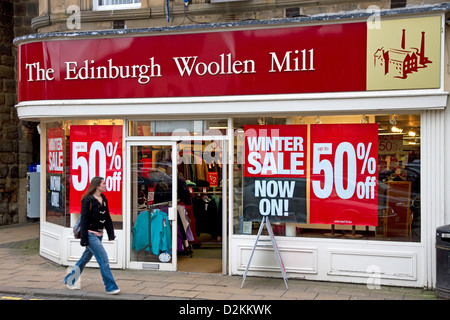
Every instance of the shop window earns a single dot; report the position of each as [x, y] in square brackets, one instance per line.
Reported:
[377, 198]
[178, 128]
[56, 182]
[116, 4]
[64, 186]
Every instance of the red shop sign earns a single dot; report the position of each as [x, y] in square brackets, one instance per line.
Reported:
[307, 59]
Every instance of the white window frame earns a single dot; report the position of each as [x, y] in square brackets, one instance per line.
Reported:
[116, 6]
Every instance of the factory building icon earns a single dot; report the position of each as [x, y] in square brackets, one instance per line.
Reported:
[398, 63]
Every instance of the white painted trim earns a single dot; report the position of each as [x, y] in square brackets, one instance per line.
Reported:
[169, 266]
[225, 208]
[173, 138]
[443, 46]
[235, 105]
[351, 256]
[432, 186]
[446, 174]
[315, 259]
[230, 185]
[50, 242]
[43, 175]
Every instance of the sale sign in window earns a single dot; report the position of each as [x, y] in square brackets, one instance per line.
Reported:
[96, 151]
[55, 150]
[55, 168]
[275, 173]
[344, 174]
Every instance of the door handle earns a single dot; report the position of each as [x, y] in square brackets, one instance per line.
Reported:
[171, 213]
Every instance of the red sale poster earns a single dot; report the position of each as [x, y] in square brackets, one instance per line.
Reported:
[213, 179]
[344, 174]
[55, 150]
[275, 173]
[96, 151]
[275, 151]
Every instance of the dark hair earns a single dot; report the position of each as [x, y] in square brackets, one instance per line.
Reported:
[95, 182]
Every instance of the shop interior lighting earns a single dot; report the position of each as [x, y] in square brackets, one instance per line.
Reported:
[396, 129]
[411, 133]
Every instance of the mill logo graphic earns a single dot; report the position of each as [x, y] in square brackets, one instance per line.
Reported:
[398, 63]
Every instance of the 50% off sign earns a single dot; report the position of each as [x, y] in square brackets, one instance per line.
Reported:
[95, 164]
[96, 151]
[344, 171]
[334, 173]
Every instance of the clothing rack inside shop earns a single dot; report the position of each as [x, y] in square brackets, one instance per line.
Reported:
[161, 204]
[197, 190]
[207, 192]
[150, 207]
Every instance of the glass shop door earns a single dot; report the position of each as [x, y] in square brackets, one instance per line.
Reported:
[152, 204]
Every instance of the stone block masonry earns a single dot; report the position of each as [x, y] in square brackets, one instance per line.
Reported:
[18, 147]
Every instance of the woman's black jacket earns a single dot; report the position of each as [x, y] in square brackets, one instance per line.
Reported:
[95, 217]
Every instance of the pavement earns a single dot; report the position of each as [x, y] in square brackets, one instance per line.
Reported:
[24, 272]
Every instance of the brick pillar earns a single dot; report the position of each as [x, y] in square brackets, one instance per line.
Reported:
[18, 147]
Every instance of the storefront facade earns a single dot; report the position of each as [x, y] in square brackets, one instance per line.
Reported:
[334, 130]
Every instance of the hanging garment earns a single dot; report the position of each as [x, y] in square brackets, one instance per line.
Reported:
[140, 232]
[218, 215]
[161, 234]
[215, 218]
[207, 217]
[182, 214]
[191, 217]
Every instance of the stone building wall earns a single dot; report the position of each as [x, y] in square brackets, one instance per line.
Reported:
[19, 145]
[54, 14]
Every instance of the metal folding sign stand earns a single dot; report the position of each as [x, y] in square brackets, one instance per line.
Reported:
[265, 221]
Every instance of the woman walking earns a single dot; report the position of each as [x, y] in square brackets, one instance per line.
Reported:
[94, 218]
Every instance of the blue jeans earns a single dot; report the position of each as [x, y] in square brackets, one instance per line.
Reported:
[95, 248]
